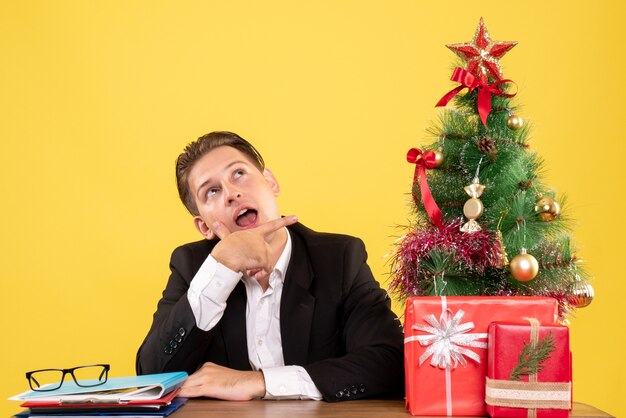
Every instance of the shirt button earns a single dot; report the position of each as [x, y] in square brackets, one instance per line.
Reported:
[218, 284]
[283, 389]
[259, 343]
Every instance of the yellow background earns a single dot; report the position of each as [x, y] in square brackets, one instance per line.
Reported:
[98, 98]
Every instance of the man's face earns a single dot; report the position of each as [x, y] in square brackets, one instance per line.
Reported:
[227, 187]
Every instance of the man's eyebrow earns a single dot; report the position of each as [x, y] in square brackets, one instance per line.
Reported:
[207, 181]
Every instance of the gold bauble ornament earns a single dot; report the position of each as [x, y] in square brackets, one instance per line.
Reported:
[438, 158]
[515, 122]
[547, 209]
[524, 267]
[581, 294]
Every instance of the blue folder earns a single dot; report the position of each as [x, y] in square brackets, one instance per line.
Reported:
[148, 386]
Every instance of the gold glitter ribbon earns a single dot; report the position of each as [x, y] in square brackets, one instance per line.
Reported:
[531, 395]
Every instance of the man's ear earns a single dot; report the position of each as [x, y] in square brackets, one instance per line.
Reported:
[203, 228]
[271, 180]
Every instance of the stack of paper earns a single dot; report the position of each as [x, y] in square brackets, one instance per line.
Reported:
[138, 396]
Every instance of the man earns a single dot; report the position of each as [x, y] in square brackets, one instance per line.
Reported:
[263, 306]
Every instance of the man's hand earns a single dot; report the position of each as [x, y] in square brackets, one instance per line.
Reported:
[248, 250]
[219, 382]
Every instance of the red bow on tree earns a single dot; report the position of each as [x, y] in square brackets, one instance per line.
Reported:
[471, 82]
[422, 161]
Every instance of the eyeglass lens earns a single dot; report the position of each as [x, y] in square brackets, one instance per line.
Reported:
[90, 375]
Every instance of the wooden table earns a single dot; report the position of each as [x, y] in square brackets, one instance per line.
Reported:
[375, 408]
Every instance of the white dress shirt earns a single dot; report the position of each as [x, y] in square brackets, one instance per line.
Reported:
[207, 295]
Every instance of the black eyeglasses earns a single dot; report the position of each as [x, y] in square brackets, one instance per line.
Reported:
[45, 380]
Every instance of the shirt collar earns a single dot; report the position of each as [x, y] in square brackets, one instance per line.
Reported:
[283, 260]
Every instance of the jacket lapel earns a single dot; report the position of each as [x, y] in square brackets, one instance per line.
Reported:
[297, 305]
[233, 326]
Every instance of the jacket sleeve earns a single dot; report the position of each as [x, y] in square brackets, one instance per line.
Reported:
[174, 343]
[372, 335]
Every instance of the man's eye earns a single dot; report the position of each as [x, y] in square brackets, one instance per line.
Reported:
[212, 191]
[238, 173]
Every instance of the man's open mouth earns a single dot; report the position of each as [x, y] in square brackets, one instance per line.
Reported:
[246, 217]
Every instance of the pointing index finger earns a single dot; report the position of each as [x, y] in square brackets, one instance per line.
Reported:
[276, 224]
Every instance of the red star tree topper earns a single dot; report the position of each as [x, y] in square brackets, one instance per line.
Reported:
[482, 54]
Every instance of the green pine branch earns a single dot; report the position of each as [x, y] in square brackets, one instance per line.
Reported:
[531, 357]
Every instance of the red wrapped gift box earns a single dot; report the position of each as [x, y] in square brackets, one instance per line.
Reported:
[448, 335]
[545, 394]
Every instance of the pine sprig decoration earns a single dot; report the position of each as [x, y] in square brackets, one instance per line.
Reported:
[531, 357]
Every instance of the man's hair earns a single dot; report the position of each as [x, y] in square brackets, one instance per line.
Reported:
[197, 149]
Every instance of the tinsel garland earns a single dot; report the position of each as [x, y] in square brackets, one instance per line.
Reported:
[474, 252]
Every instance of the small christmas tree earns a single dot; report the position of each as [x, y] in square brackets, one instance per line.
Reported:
[480, 200]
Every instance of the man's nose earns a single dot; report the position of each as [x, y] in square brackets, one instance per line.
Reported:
[231, 194]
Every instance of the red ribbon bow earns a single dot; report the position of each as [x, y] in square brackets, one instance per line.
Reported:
[422, 161]
[485, 90]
